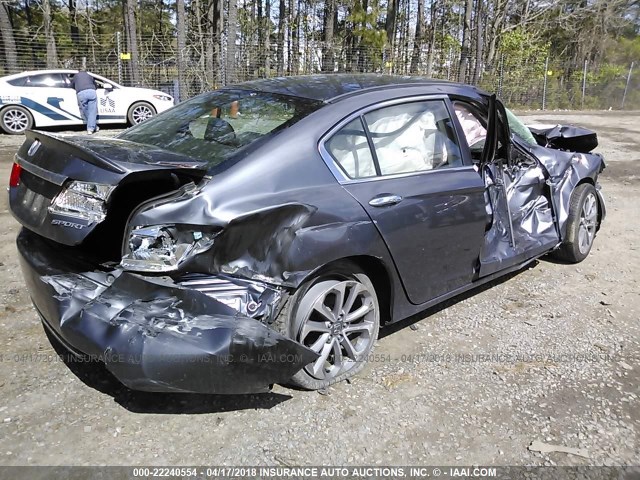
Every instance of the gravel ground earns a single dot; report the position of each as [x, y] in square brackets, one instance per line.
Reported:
[549, 354]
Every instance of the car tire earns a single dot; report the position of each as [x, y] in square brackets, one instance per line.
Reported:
[345, 344]
[15, 120]
[139, 112]
[582, 224]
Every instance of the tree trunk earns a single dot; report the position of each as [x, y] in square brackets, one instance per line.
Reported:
[328, 62]
[267, 38]
[390, 22]
[280, 38]
[477, 72]
[73, 23]
[466, 42]
[295, 36]
[417, 40]
[9, 42]
[232, 32]
[261, 29]
[182, 47]
[132, 40]
[52, 53]
[432, 37]
[214, 35]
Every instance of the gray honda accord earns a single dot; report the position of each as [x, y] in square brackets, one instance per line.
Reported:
[262, 233]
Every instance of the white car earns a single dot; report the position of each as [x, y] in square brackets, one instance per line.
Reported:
[45, 98]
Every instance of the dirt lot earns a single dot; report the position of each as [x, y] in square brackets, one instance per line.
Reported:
[569, 371]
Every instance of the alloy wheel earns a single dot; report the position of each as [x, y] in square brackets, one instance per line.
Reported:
[16, 120]
[338, 323]
[588, 220]
[141, 113]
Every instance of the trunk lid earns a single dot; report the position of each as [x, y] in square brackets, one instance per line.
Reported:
[49, 163]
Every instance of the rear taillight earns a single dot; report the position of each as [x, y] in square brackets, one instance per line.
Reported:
[14, 179]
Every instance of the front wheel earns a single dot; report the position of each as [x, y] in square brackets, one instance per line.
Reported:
[337, 315]
[139, 112]
[582, 225]
[15, 120]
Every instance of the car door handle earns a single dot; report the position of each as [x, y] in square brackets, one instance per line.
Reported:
[385, 200]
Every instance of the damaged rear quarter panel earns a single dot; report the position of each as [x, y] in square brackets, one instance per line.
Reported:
[272, 232]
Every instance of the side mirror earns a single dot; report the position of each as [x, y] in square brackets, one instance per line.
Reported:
[107, 86]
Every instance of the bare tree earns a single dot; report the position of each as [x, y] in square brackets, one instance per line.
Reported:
[477, 70]
[466, 42]
[52, 53]
[294, 33]
[8, 40]
[390, 22]
[215, 22]
[417, 39]
[132, 40]
[73, 23]
[432, 37]
[282, 11]
[232, 32]
[181, 61]
[327, 36]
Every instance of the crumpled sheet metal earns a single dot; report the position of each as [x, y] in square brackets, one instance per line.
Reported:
[565, 137]
[154, 335]
[250, 298]
[532, 215]
[279, 245]
[566, 170]
[522, 200]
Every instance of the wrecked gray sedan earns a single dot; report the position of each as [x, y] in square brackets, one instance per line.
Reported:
[263, 232]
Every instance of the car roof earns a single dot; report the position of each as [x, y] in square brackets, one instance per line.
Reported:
[334, 87]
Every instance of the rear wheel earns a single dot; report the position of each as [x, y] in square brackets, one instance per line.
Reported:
[139, 112]
[337, 315]
[582, 224]
[15, 120]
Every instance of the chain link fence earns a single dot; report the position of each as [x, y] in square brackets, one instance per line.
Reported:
[206, 63]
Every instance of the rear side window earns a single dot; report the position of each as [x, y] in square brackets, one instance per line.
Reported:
[45, 80]
[406, 138]
[350, 149]
[18, 82]
[413, 137]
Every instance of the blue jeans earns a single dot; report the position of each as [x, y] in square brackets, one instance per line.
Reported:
[88, 103]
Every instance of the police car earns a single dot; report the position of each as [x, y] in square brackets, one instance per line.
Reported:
[45, 98]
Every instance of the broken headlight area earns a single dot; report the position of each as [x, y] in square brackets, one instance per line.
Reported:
[82, 200]
[162, 248]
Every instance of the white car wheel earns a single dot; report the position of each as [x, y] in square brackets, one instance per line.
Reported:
[139, 112]
[15, 120]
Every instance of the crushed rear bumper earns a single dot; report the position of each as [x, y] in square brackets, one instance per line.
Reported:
[152, 333]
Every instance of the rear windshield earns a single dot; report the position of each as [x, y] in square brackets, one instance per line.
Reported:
[215, 126]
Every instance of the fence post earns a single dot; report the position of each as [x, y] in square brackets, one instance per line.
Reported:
[584, 84]
[544, 85]
[626, 87]
[119, 53]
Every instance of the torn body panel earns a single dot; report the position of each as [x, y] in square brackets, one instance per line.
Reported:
[522, 222]
[154, 334]
[529, 201]
[565, 170]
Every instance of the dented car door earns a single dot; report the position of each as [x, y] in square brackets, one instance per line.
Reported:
[404, 166]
